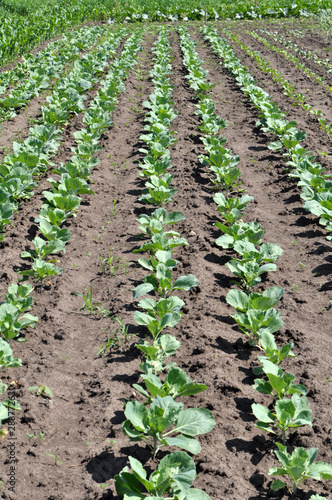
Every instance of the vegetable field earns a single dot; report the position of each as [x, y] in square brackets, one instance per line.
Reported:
[165, 234]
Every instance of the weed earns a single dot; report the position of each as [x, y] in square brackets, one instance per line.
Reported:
[113, 212]
[41, 390]
[89, 303]
[40, 436]
[55, 458]
[117, 339]
[114, 264]
[135, 109]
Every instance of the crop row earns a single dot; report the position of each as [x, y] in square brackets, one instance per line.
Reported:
[301, 51]
[29, 159]
[290, 90]
[62, 202]
[161, 420]
[315, 184]
[290, 57]
[37, 72]
[255, 312]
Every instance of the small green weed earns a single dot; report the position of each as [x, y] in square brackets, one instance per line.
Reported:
[115, 265]
[117, 339]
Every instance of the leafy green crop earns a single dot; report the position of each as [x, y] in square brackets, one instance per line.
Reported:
[43, 248]
[165, 312]
[298, 466]
[156, 222]
[287, 415]
[254, 322]
[51, 232]
[263, 301]
[278, 381]
[231, 209]
[160, 241]
[251, 231]
[272, 352]
[176, 384]
[165, 417]
[19, 296]
[158, 190]
[6, 356]
[161, 348]
[11, 322]
[174, 476]
[41, 270]
[161, 280]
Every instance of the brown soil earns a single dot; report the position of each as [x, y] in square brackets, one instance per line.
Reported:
[82, 426]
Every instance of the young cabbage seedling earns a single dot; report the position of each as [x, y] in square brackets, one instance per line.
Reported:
[165, 312]
[19, 296]
[288, 415]
[43, 249]
[155, 353]
[263, 301]
[251, 231]
[6, 356]
[151, 166]
[41, 270]
[158, 190]
[174, 476]
[298, 466]
[231, 209]
[11, 323]
[161, 278]
[41, 390]
[176, 384]
[54, 216]
[165, 417]
[253, 322]
[160, 241]
[249, 268]
[278, 381]
[51, 232]
[156, 222]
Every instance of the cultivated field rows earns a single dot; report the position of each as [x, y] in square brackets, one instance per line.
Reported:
[82, 426]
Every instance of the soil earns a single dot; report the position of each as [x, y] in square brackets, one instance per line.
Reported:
[83, 446]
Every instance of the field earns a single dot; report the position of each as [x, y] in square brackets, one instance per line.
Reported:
[80, 361]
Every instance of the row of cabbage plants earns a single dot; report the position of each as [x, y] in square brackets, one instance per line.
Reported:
[62, 202]
[22, 167]
[173, 10]
[38, 72]
[290, 57]
[289, 89]
[303, 52]
[255, 312]
[315, 184]
[160, 420]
